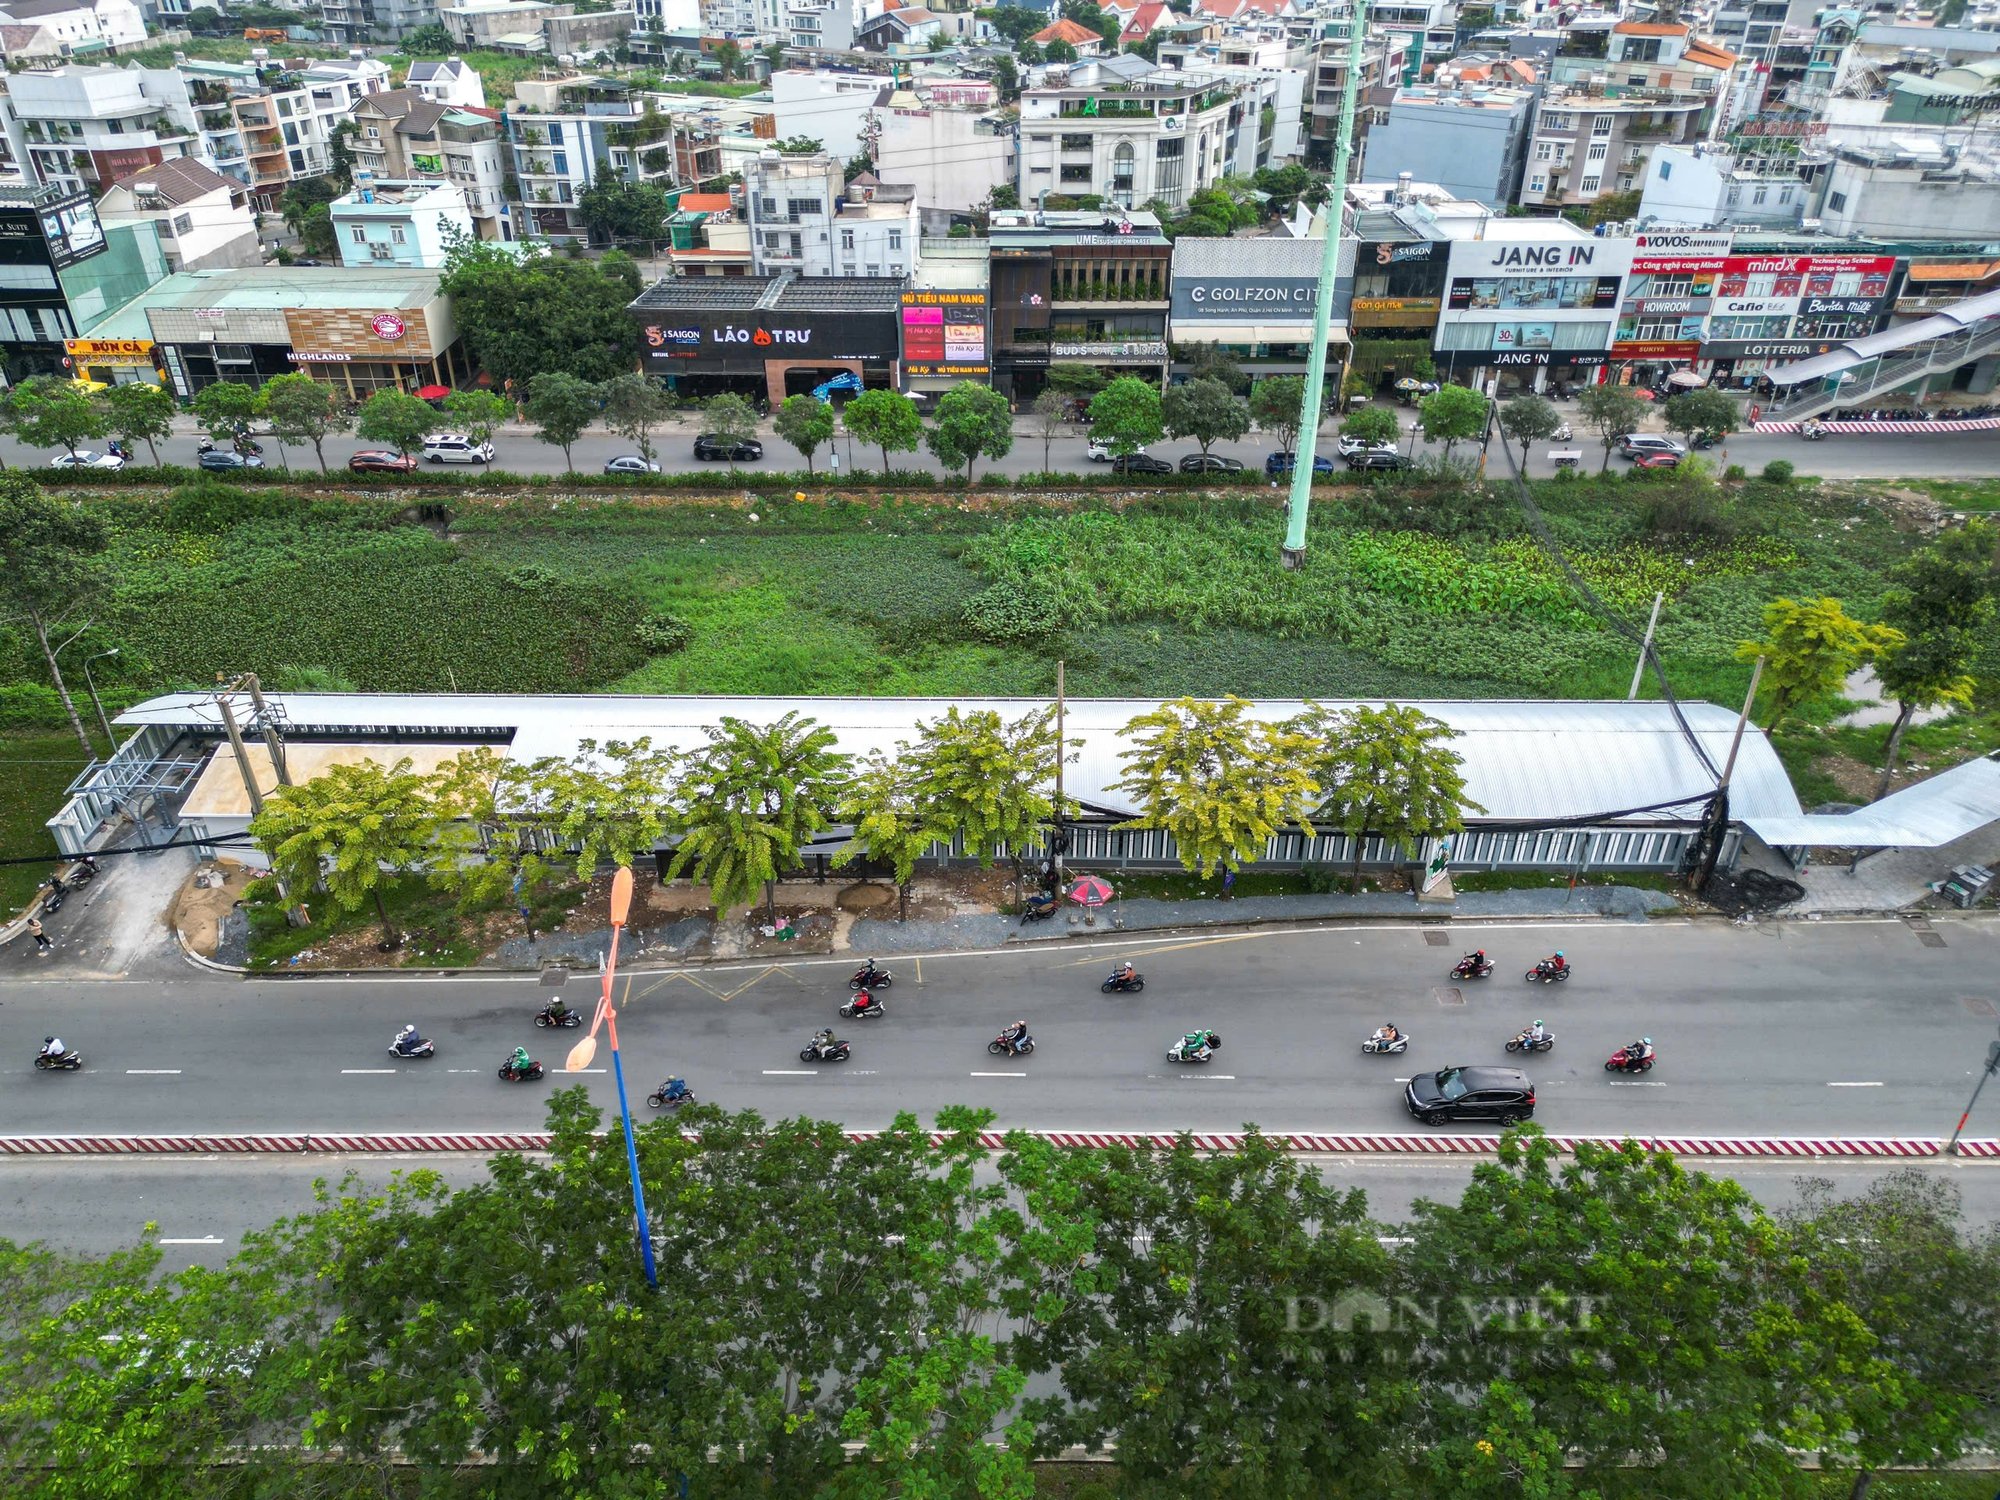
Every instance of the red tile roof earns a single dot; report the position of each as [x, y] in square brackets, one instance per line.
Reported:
[1066, 30]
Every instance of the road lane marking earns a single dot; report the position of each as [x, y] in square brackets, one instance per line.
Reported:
[465, 1070]
[345, 1071]
[1217, 1077]
[996, 1075]
[213, 1239]
[1633, 1083]
[791, 1073]
[154, 1072]
[1872, 1083]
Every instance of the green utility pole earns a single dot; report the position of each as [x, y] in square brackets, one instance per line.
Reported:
[1294, 553]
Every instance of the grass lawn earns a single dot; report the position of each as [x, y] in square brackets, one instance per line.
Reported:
[34, 770]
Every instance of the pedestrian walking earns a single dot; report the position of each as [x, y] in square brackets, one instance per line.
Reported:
[42, 943]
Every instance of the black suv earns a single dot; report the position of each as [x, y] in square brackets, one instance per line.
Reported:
[1375, 458]
[1140, 463]
[1210, 463]
[1501, 1094]
[710, 446]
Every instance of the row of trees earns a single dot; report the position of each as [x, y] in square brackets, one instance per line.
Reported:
[1232, 1323]
[739, 808]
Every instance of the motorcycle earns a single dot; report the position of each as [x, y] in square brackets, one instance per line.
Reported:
[1039, 908]
[82, 872]
[868, 977]
[515, 1075]
[546, 1016]
[827, 1052]
[667, 1096]
[1181, 1053]
[1118, 982]
[1562, 434]
[1622, 1061]
[1382, 1046]
[1547, 973]
[242, 445]
[1526, 1043]
[58, 893]
[1703, 440]
[1470, 967]
[1812, 432]
[418, 1046]
[855, 1010]
[1004, 1046]
[69, 1062]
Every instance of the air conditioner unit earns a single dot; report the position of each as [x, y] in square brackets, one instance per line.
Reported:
[381, 252]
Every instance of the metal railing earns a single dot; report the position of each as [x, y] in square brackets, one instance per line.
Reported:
[1887, 375]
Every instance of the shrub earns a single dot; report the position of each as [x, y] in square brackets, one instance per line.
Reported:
[308, 680]
[1322, 880]
[1778, 471]
[662, 634]
[1012, 611]
[30, 705]
[213, 505]
[1691, 508]
[1734, 474]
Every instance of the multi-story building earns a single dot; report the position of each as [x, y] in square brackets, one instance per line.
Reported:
[409, 223]
[1077, 289]
[203, 218]
[1706, 187]
[374, 20]
[951, 158]
[822, 25]
[1471, 141]
[829, 106]
[1381, 74]
[82, 129]
[806, 219]
[1587, 144]
[402, 136]
[562, 133]
[482, 23]
[1126, 132]
[450, 81]
[1915, 186]
[707, 236]
[58, 30]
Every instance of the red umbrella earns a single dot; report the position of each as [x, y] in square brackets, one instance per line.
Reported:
[1090, 891]
[433, 392]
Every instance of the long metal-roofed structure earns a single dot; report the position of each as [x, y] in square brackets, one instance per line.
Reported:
[1561, 784]
[1878, 362]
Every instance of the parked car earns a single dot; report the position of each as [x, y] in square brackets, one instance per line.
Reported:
[1377, 459]
[1141, 463]
[629, 463]
[1101, 451]
[380, 461]
[1281, 463]
[709, 446]
[1656, 460]
[1635, 443]
[456, 448]
[223, 461]
[1349, 446]
[1210, 463]
[86, 460]
[1500, 1094]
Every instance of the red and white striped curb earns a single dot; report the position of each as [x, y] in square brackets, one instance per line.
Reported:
[1316, 1144]
[1889, 429]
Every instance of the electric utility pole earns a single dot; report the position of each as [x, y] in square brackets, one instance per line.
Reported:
[1294, 553]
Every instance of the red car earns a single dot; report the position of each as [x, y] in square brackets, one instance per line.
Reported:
[1657, 461]
[380, 461]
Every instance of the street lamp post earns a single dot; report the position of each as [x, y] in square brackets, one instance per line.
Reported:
[110, 738]
[1992, 1067]
[581, 1054]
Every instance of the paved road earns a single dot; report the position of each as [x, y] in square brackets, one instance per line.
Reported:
[1840, 1028]
[204, 1206]
[1963, 455]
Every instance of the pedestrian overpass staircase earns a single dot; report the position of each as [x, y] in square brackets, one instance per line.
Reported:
[1880, 376]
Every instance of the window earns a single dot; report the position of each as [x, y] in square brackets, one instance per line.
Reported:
[1836, 201]
[1074, 142]
[847, 240]
[1588, 185]
[768, 207]
[1666, 170]
[183, 223]
[798, 245]
[1544, 150]
[396, 235]
[562, 163]
[358, 233]
[1785, 194]
[1759, 194]
[895, 239]
[116, 127]
[1076, 174]
[1600, 125]
[1597, 152]
[801, 208]
[1538, 184]
[1553, 121]
[374, 134]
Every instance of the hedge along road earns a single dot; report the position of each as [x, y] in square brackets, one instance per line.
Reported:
[1942, 456]
[1851, 1028]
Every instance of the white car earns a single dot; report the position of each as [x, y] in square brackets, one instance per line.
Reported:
[456, 448]
[86, 460]
[1349, 446]
[1101, 451]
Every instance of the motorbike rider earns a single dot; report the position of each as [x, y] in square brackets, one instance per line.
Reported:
[1125, 973]
[864, 1001]
[1635, 1052]
[406, 1040]
[1537, 1034]
[520, 1062]
[1016, 1036]
[1385, 1033]
[1474, 961]
[822, 1041]
[869, 973]
[1194, 1043]
[1555, 963]
[557, 1010]
[53, 1048]
[674, 1088]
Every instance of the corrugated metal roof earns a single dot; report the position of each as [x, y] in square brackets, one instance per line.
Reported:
[1525, 761]
[1939, 325]
[1928, 815]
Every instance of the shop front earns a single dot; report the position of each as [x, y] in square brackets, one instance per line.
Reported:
[364, 350]
[944, 340]
[1529, 316]
[112, 361]
[768, 337]
[1252, 302]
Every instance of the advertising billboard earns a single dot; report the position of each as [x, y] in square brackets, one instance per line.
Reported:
[1244, 299]
[741, 340]
[944, 333]
[60, 232]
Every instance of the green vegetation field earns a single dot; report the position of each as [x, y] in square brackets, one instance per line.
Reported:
[1403, 593]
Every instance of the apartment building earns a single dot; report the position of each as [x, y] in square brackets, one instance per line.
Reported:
[58, 30]
[1471, 141]
[402, 136]
[84, 128]
[1710, 186]
[952, 159]
[1382, 65]
[562, 134]
[804, 218]
[1587, 144]
[373, 20]
[409, 223]
[203, 218]
[1128, 132]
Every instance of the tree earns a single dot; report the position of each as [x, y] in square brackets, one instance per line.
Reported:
[729, 417]
[1451, 414]
[615, 210]
[892, 825]
[1051, 416]
[1899, 1255]
[561, 406]
[301, 409]
[1277, 406]
[1205, 410]
[988, 781]
[1810, 646]
[1527, 419]
[525, 314]
[1007, 78]
[633, 406]
[398, 420]
[1126, 414]
[1940, 601]
[50, 412]
[1059, 51]
[478, 412]
[225, 408]
[970, 420]
[139, 412]
[728, 57]
[806, 422]
[317, 236]
[801, 145]
[888, 419]
[1374, 425]
[51, 571]
[1693, 412]
[430, 40]
[1610, 411]
[750, 800]
[609, 802]
[349, 829]
[1389, 771]
[1218, 782]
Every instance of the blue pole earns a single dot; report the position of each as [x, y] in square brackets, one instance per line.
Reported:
[632, 1161]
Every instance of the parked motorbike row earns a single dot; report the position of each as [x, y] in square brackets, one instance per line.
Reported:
[1917, 414]
[81, 873]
